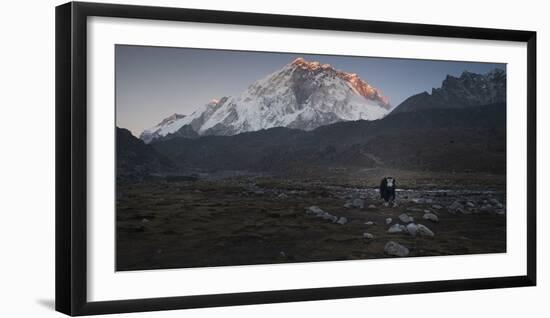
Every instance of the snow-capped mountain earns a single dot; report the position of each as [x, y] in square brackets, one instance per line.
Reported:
[469, 89]
[302, 95]
[161, 129]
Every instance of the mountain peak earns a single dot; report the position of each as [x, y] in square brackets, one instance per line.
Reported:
[467, 90]
[312, 66]
[170, 119]
[354, 81]
[301, 95]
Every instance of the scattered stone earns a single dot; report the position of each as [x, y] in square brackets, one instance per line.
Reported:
[494, 201]
[348, 205]
[342, 220]
[405, 218]
[372, 206]
[358, 203]
[500, 212]
[368, 236]
[388, 220]
[314, 210]
[424, 230]
[486, 208]
[456, 207]
[411, 229]
[396, 228]
[431, 217]
[437, 207]
[386, 204]
[282, 196]
[414, 210]
[499, 205]
[369, 223]
[144, 220]
[470, 204]
[395, 249]
[394, 204]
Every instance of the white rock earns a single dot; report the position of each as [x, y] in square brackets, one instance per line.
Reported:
[368, 236]
[388, 220]
[437, 207]
[369, 223]
[456, 207]
[396, 249]
[342, 220]
[372, 206]
[470, 204]
[412, 229]
[358, 203]
[314, 210]
[424, 231]
[405, 218]
[431, 217]
[396, 228]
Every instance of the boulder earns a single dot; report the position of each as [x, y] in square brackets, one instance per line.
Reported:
[395, 249]
[358, 203]
[424, 230]
[388, 220]
[369, 223]
[412, 229]
[372, 206]
[456, 207]
[405, 218]
[437, 207]
[368, 236]
[315, 210]
[397, 228]
[431, 217]
[342, 220]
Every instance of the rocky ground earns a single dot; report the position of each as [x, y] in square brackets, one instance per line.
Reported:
[239, 219]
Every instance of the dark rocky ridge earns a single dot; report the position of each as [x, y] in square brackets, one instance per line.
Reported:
[468, 139]
[468, 90]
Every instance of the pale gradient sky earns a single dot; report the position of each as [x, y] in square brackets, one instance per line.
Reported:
[155, 82]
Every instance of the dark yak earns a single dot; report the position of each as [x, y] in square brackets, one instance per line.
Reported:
[387, 189]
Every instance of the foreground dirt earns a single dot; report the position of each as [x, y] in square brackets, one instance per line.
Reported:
[248, 219]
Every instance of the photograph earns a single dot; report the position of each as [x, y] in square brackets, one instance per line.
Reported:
[238, 158]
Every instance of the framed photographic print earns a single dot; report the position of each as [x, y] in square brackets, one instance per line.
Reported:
[225, 158]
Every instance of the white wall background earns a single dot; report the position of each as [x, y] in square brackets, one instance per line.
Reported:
[27, 158]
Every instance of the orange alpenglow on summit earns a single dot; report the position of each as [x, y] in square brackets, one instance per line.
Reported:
[356, 83]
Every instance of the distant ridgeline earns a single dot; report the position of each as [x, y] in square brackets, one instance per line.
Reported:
[458, 127]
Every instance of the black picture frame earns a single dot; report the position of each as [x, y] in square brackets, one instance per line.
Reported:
[71, 157]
